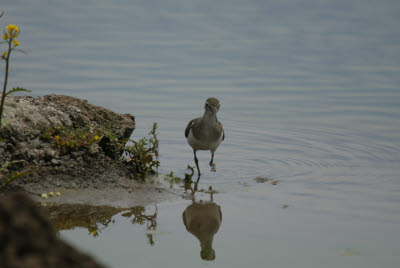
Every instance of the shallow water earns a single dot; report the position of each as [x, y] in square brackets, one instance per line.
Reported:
[309, 95]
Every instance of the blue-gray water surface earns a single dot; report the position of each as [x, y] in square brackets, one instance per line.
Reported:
[309, 95]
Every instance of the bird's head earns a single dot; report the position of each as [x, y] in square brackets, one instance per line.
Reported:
[212, 105]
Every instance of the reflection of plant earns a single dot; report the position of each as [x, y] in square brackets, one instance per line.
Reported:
[139, 217]
[92, 218]
[93, 230]
[10, 36]
[70, 138]
[97, 218]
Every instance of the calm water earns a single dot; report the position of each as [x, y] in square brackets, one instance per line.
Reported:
[309, 95]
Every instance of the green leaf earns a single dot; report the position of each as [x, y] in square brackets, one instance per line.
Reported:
[6, 164]
[13, 176]
[4, 123]
[17, 89]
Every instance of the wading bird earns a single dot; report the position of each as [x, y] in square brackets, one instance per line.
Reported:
[205, 133]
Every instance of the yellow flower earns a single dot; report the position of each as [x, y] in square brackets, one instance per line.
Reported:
[6, 36]
[44, 196]
[3, 54]
[12, 28]
[57, 138]
[58, 194]
[51, 194]
[96, 137]
[16, 43]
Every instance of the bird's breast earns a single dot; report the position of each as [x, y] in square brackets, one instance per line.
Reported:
[204, 141]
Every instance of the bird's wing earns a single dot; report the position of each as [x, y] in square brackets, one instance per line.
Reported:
[189, 126]
[223, 132]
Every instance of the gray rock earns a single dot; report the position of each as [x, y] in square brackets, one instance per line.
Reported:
[29, 117]
[32, 155]
[11, 148]
[49, 154]
[22, 138]
[76, 155]
[35, 143]
[94, 150]
[55, 162]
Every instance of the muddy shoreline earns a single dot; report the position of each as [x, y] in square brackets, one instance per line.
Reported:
[86, 175]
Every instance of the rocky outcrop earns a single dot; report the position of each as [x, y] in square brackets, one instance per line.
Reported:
[29, 117]
[28, 239]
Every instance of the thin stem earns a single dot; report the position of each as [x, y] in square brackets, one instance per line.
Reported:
[3, 96]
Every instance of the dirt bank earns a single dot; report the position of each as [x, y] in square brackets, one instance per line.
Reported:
[83, 174]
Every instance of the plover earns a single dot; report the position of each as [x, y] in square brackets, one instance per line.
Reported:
[205, 133]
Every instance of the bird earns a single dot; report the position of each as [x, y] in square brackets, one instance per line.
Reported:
[206, 132]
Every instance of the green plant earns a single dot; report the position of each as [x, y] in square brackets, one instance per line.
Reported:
[143, 155]
[4, 169]
[188, 177]
[70, 138]
[172, 179]
[11, 33]
[10, 38]
[11, 175]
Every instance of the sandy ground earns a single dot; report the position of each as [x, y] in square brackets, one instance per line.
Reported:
[131, 193]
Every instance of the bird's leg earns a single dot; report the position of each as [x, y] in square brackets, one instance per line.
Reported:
[197, 163]
[193, 191]
[212, 164]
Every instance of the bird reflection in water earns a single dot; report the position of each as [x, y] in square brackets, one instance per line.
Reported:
[203, 219]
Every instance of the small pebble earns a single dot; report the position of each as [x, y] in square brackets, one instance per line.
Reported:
[260, 179]
[274, 182]
[348, 252]
[213, 167]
